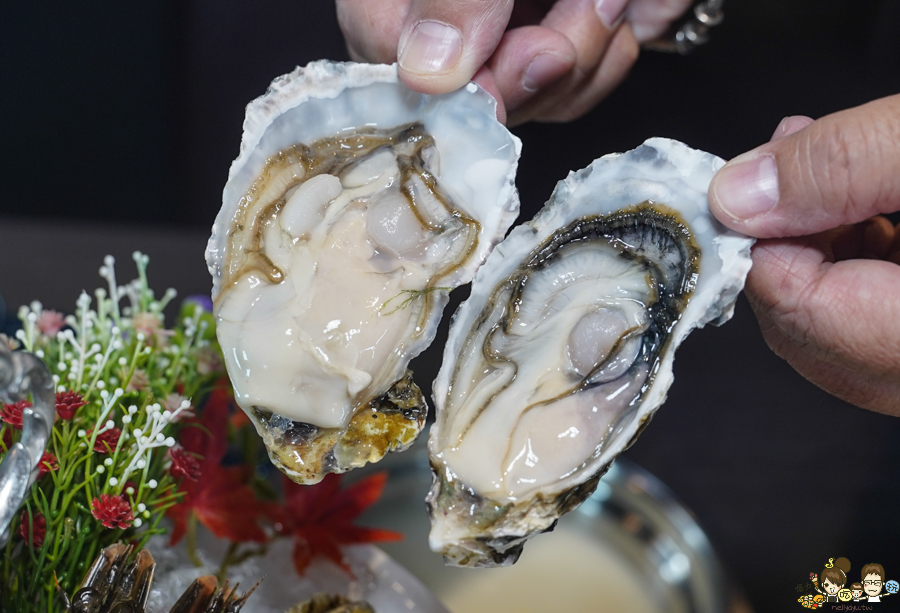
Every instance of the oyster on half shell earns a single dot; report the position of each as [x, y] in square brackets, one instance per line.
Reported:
[564, 350]
[354, 207]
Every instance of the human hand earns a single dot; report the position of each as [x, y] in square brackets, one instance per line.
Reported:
[825, 282]
[550, 60]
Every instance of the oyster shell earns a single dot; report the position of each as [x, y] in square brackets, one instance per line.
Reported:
[564, 350]
[354, 207]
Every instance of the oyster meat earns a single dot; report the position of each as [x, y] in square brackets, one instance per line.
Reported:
[564, 350]
[354, 207]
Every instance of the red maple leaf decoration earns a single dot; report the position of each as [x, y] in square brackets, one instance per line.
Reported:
[12, 413]
[221, 499]
[36, 528]
[106, 441]
[112, 511]
[239, 420]
[320, 518]
[47, 463]
[68, 402]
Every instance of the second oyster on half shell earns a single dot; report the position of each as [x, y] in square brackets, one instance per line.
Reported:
[564, 350]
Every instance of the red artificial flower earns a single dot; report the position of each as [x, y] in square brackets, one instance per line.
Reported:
[7, 438]
[68, 402]
[50, 322]
[222, 501]
[320, 518]
[47, 463]
[12, 413]
[112, 511]
[36, 529]
[106, 441]
[184, 464]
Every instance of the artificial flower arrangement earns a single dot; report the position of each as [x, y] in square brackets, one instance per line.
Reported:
[145, 419]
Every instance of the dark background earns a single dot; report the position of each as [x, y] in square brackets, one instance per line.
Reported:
[120, 120]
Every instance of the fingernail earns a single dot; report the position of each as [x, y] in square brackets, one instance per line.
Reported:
[432, 48]
[747, 189]
[789, 125]
[610, 11]
[543, 70]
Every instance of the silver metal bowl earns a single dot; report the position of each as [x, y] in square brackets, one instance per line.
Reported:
[631, 546]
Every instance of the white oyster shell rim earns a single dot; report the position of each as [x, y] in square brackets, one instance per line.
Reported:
[325, 98]
[660, 170]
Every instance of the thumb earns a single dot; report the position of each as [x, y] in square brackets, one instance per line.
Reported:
[841, 169]
[443, 44]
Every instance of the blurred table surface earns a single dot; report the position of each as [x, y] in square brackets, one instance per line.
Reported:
[781, 475]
